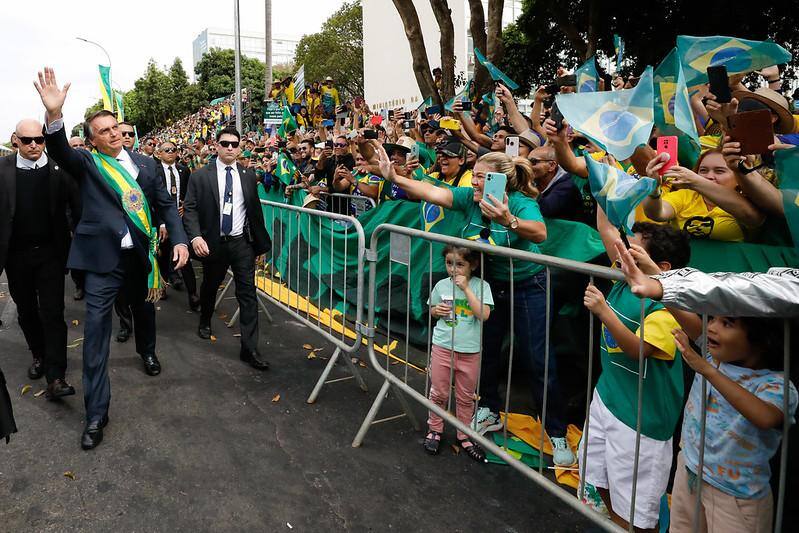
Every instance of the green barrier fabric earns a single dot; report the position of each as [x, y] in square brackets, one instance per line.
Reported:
[314, 255]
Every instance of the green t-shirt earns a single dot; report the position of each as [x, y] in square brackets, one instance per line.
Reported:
[467, 327]
[520, 206]
[427, 155]
[663, 379]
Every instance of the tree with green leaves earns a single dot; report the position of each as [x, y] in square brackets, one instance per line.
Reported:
[215, 74]
[550, 33]
[336, 50]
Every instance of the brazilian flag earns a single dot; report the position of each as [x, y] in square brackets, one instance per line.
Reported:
[617, 121]
[738, 55]
[105, 87]
[616, 192]
[289, 125]
[673, 114]
[587, 77]
[285, 170]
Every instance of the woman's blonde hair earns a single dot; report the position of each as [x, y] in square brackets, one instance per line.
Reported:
[518, 169]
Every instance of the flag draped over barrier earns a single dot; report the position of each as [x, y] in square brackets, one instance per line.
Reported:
[618, 121]
[105, 87]
[738, 55]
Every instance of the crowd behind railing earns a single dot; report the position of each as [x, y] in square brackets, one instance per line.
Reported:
[509, 174]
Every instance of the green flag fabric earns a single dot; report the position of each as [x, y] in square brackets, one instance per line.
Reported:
[618, 121]
[788, 172]
[285, 170]
[289, 124]
[673, 114]
[738, 55]
[118, 98]
[105, 87]
[494, 72]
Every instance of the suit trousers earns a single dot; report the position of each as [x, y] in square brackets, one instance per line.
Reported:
[36, 283]
[130, 279]
[239, 255]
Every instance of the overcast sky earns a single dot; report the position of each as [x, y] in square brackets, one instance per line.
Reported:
[43, 33]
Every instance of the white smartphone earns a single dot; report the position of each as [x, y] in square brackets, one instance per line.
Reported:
[512, 146]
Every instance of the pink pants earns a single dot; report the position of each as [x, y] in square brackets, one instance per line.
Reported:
[467, 367]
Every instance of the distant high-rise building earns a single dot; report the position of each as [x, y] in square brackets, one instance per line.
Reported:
[252, 45]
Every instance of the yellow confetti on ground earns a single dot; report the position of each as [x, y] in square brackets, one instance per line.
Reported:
[75, 322]
[213, 338]
[307, 346]
[70, 474]
[25, 389]
[276, 398]
[39, 393]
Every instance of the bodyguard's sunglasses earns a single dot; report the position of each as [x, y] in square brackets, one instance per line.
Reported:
[225, 144]
[130, 134]
[170, 150]
[28, 140]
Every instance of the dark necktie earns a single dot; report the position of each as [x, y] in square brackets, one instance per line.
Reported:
[227, 219]
[173, 188]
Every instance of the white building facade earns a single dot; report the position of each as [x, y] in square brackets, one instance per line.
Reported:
[389, 81]
[252, 45]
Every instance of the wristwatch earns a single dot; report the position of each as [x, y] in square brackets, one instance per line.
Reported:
[744, 170]
[514, 223]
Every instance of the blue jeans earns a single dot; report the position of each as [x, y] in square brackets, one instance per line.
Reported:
[529, 330]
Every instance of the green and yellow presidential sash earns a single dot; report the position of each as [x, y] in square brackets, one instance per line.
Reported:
[138, 210]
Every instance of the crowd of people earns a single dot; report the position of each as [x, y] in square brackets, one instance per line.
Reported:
[197, 196]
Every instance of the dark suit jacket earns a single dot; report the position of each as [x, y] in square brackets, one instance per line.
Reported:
[201, 208]
[183, 177]
[96, 245]
[63, 197]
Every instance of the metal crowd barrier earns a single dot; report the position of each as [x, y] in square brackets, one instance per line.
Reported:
[299, 218]
[399, 384]
[360, 204]
[259, 298]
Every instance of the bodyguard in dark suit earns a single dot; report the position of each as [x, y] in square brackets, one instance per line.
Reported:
[34, 241]
[176, 179]
[115, 250]
[223, 218]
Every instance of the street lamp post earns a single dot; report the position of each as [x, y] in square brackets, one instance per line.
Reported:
[268, 48]
[107, 55]
[237, 41]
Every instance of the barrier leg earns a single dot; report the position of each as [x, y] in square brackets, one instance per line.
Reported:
[263, 307]
[370, 416]
[326, 372]
[234, 318]
[221, 295]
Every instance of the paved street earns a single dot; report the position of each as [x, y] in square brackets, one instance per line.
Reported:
[208, 446]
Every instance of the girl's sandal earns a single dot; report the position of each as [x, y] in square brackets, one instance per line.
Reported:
[432, 442]
[473, 450]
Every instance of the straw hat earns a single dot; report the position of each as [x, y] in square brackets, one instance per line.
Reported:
[310, 201]
[775, 102]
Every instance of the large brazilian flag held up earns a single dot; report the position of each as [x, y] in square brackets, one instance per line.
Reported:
[738, 55]
[587, 77]
[618, 121]
[673, 114]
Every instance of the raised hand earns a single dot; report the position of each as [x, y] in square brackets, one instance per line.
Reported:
[52, 96]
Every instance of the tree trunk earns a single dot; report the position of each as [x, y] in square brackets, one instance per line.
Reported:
[421, 66]
[477, 27]
[496, 49]
[447, 44]
[593, 14]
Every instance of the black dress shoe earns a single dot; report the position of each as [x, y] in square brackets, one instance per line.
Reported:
[204, 332]
[151, 365]
[78, 294]
[194, 303]
[36, 369]
[93, 433]
[58, 389]
[254, 360]
[123, 335]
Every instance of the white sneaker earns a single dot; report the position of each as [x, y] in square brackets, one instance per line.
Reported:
[562, 455]
[486, 421]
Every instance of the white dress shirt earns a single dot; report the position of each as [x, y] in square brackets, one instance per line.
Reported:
[27, 164]
[169, 180]
[239, 208]
[125, 160]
